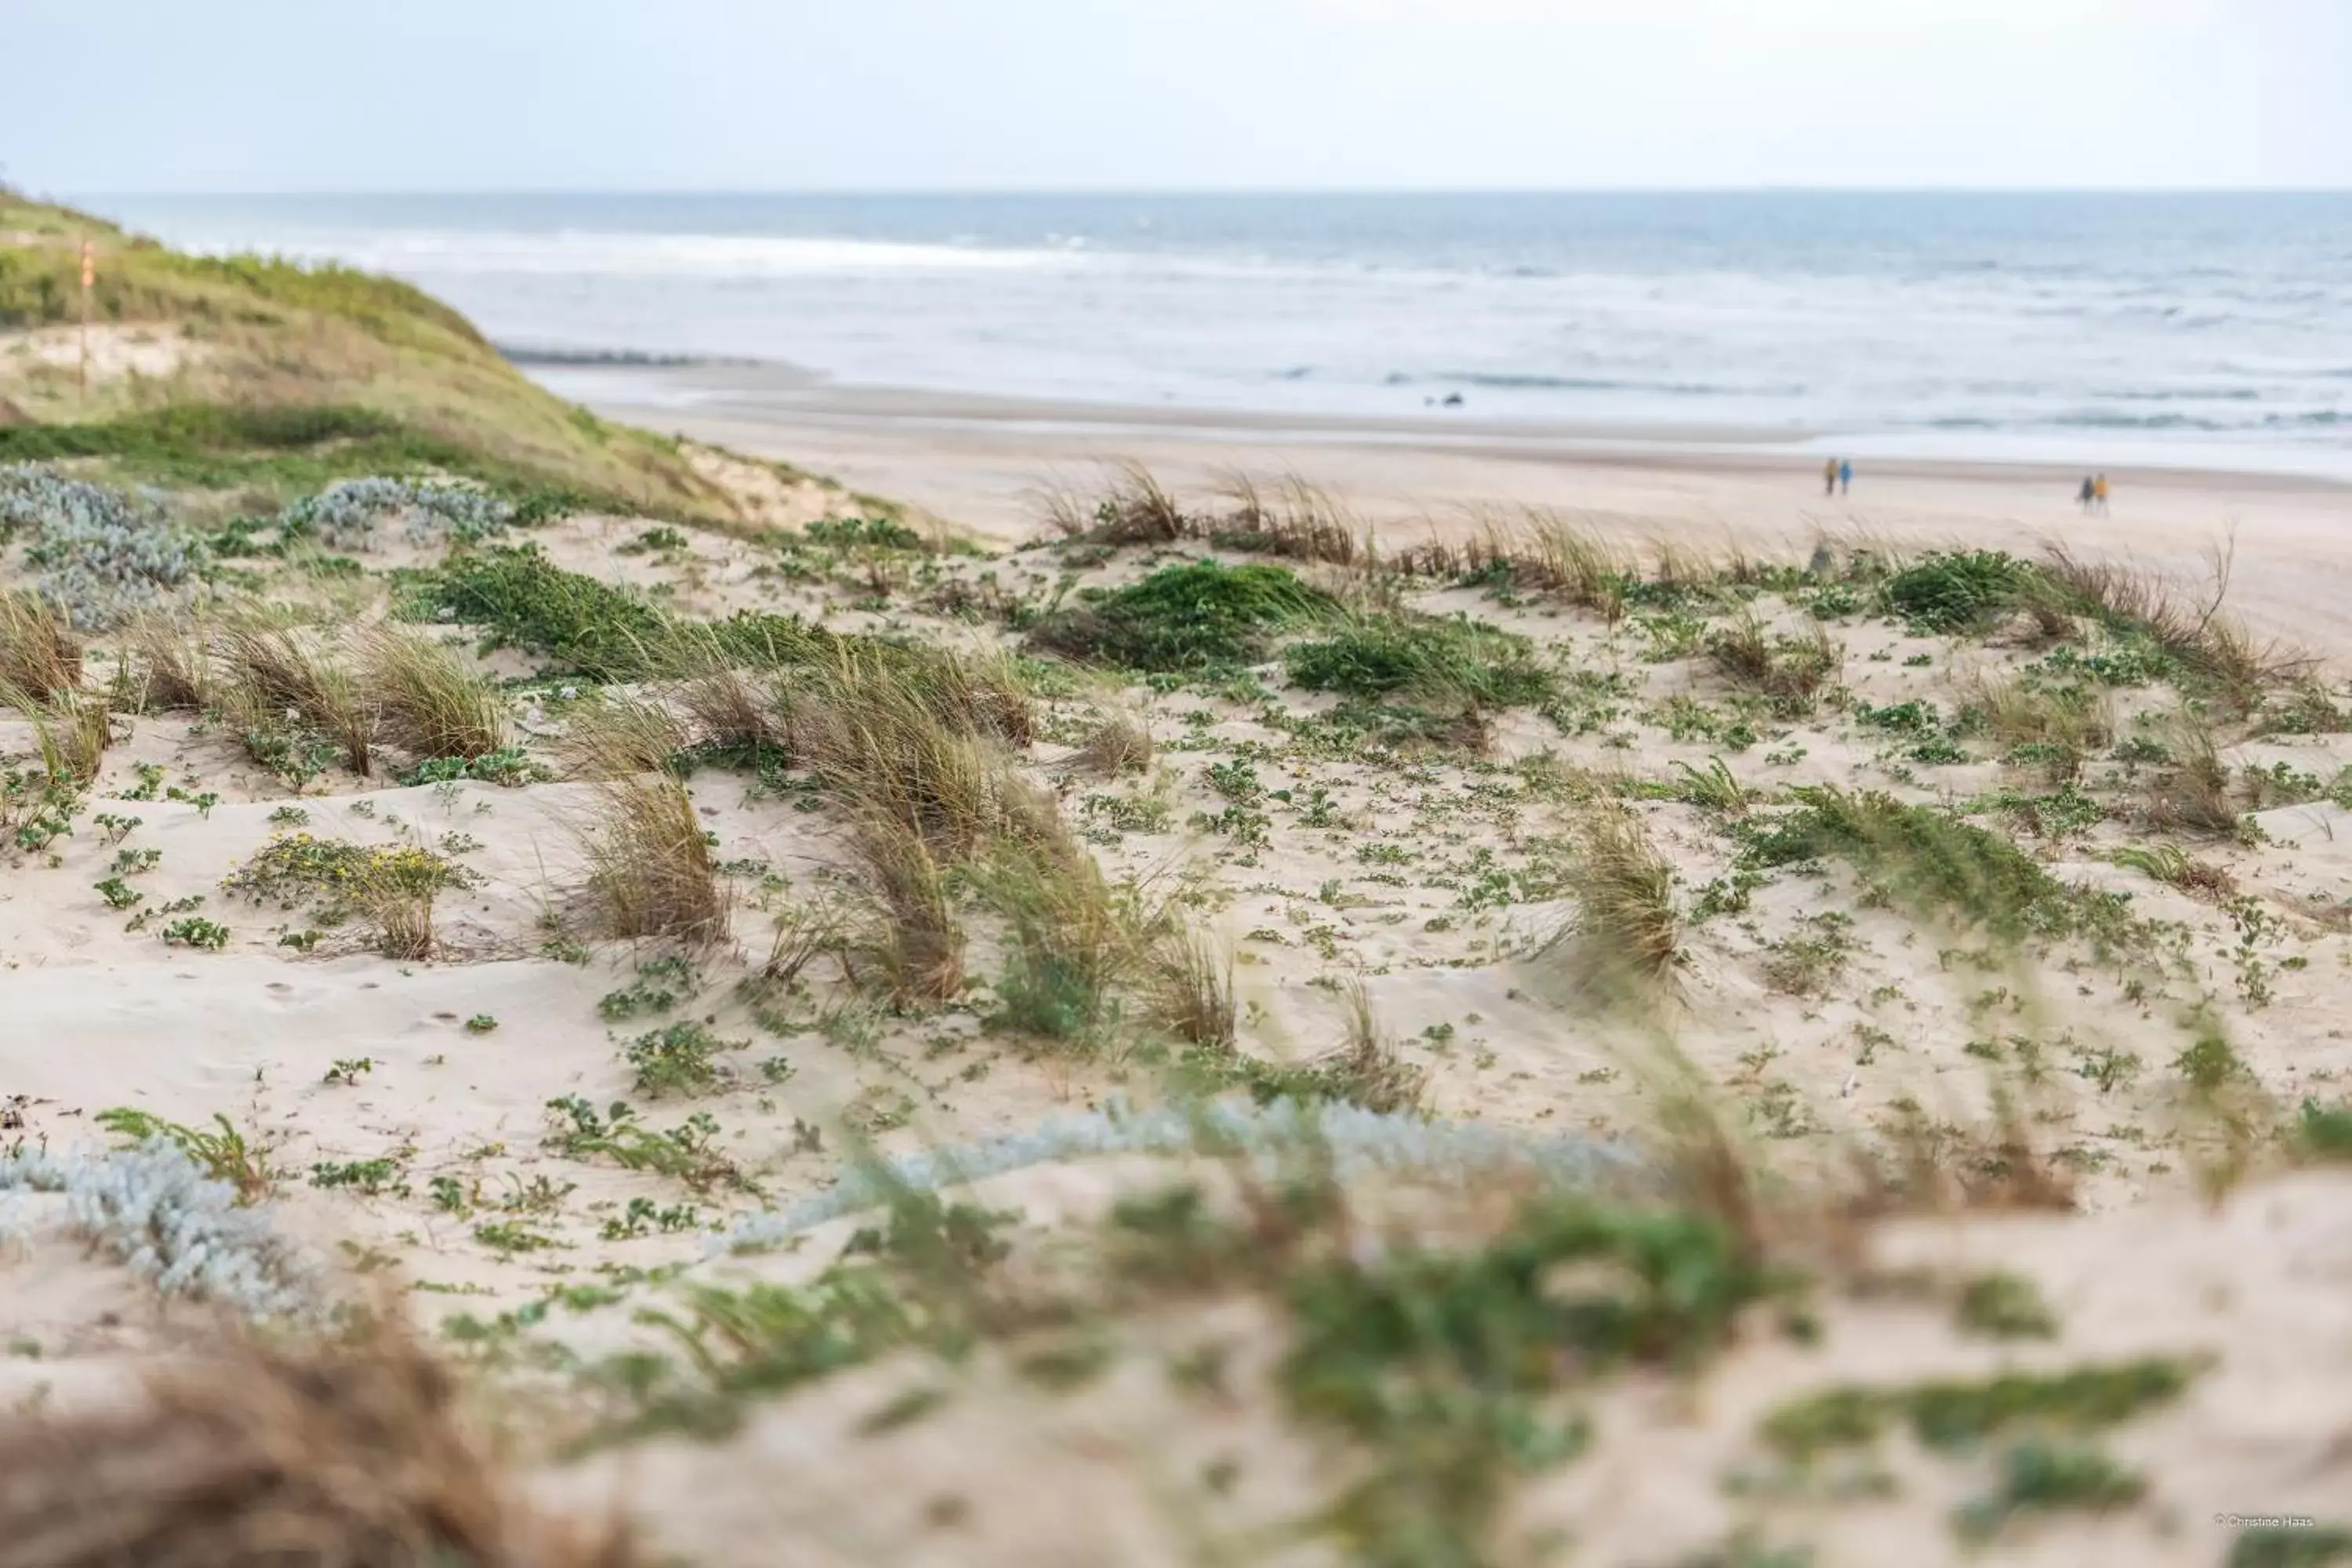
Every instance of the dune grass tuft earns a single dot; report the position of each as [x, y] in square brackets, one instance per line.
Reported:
[2213, 649]
[1116, 746]
[1539, 552]
[615, 734]
[1298, 521]
[887, 743]
[72, 731]
[1366, 1069]
[2176, 867]
[1789, 670]
[427, 700]
[2196, 793]
[1627, 932]
[172, 665]
[651, 871]
[2056, 728]
[911, 947]
[737, 715]
[1189, 987]
[347, 1452]
[1711, 788]
[1072, 940]
[275, 678]
[1136, 509]
[39, 655]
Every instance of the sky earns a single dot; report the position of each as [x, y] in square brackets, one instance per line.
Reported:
[115, 96]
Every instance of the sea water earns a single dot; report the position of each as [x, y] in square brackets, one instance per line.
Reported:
[2213, 324]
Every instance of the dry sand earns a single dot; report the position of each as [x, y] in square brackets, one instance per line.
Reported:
[1431, 877]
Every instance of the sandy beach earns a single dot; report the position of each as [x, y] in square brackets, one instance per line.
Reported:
[986, 465]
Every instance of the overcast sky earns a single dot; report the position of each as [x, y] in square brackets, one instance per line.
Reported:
[276, 95]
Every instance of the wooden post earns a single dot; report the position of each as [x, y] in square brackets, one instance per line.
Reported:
[88, 277]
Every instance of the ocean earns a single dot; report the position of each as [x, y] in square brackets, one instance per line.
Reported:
[2212, 328]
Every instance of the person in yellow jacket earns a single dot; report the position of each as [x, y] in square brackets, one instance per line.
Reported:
[1829, 478]
[2099, 491]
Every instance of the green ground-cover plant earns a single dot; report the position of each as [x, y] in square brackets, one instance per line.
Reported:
[680, 1058]
[1957, 591]
[917, 1279]
[196, 931]
[392, 885]
[1959, 1416]
[1365, 1071]
[1445, 1366]
[687, 1151]
[2005, 1307]
[2035, 1476]
[1203, 616]
[520, 599]
[2153, 630]
[1426, 661]
[221, 1151]
[1935, 865]
[290, 451]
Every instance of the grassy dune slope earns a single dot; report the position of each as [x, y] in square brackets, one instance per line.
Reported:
[201, 363]
[1198, 1040]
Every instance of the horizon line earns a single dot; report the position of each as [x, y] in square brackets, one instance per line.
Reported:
[951, 192]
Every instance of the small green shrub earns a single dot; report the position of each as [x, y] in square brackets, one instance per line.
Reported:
[2006, 1307]
[196, 931]
[509, 768]
[1443, 1366]
[366, 1176]
[1455, 662]
[1962, 590]
[2039, 1477]
[863, 533]
[678, 1059]
[1935, 863]
[1181, 619]
[1960, 1415]
[221, 1151]
[2324, 1131]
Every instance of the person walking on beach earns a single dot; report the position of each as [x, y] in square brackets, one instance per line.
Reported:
[2089, 493]
[2099, 491]
[1829, 478]
[1845, 477]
